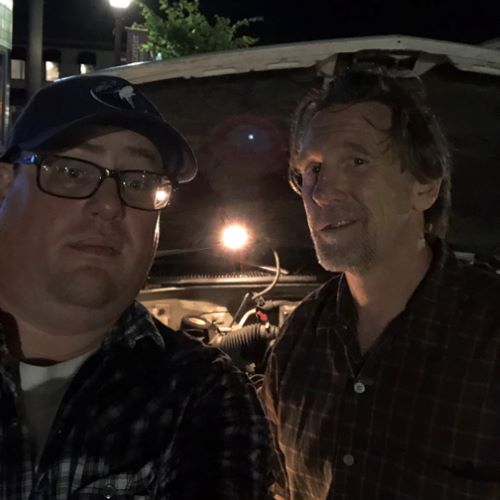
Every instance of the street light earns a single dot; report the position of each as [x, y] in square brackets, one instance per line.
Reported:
[119, 7]
[120, 4]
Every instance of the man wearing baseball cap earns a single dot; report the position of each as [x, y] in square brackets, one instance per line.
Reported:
[98, 399]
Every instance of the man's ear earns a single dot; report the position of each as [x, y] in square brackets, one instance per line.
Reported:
[425, 194]
[6, 178]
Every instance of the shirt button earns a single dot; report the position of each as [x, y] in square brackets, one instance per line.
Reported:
[348, 460]
[109, 491]
[359, 388]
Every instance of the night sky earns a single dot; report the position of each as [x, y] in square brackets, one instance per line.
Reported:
[90, 22]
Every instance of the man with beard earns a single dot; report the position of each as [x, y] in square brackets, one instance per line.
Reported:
[385, 382]
[98, 399]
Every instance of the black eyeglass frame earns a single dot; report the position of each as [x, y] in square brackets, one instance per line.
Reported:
[105, 173]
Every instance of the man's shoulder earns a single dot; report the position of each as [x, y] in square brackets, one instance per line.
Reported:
[479, 288]
[311, 304]
[170, 360]
[306, 315]
[183, 350]
[323, 290]
[472, 296]
[469, 285]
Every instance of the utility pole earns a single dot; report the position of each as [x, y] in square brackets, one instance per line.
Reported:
[119, 7]
[35, 47]
[118, 32]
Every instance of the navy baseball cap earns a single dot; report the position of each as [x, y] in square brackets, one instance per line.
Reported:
[68, 104]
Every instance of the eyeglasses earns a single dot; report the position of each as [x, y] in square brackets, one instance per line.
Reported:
[67, 177]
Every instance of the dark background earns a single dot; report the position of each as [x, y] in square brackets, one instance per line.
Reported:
[229, 187]
[90, 22]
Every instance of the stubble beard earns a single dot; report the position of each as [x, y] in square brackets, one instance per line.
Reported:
[355, 253]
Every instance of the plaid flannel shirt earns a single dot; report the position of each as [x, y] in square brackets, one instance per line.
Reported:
[153, 414]
[417, 417]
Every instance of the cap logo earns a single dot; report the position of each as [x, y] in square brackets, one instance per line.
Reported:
[127, 93]
[109, 94]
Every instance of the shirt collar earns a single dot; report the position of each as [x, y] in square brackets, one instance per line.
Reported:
[441, 275]
[134, 324]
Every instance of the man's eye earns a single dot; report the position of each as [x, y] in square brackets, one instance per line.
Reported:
[313, 168]
[71, 172]
[359, 161]
[136, 185]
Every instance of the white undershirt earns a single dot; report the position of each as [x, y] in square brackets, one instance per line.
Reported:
[43, 388]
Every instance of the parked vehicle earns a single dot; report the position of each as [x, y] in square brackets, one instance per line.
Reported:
[235, 108]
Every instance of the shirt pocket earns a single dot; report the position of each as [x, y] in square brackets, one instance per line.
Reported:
[119, 486]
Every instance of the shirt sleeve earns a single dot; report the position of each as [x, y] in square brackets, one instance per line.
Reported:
[224, 441]
[269, 397]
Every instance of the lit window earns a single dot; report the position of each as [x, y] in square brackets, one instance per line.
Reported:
[17, 69]
[51, 71]
[86, 68]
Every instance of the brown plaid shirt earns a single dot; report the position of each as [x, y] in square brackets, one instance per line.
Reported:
[152, 415]
[418, 417]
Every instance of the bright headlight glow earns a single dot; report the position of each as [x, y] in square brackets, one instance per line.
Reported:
[235, 237]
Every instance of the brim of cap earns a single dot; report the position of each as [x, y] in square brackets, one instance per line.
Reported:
[178, 157]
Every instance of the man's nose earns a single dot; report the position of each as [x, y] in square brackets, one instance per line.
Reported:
[106, 202]
[330, 186]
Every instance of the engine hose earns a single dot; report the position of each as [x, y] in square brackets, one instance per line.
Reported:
[244, 337]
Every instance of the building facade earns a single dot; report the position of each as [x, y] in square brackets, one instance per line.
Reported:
[6, 7]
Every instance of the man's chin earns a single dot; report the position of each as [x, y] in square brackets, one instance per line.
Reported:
[89, 287]
[342, 259]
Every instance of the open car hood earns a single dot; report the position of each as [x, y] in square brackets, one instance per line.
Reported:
[234, 107]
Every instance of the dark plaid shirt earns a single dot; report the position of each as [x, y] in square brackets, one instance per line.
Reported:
[417, 417]
[153, 414]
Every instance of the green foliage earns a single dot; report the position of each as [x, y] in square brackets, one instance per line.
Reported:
[181, 29]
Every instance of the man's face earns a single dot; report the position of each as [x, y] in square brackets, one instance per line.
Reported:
[86, 255]
[358, 200]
